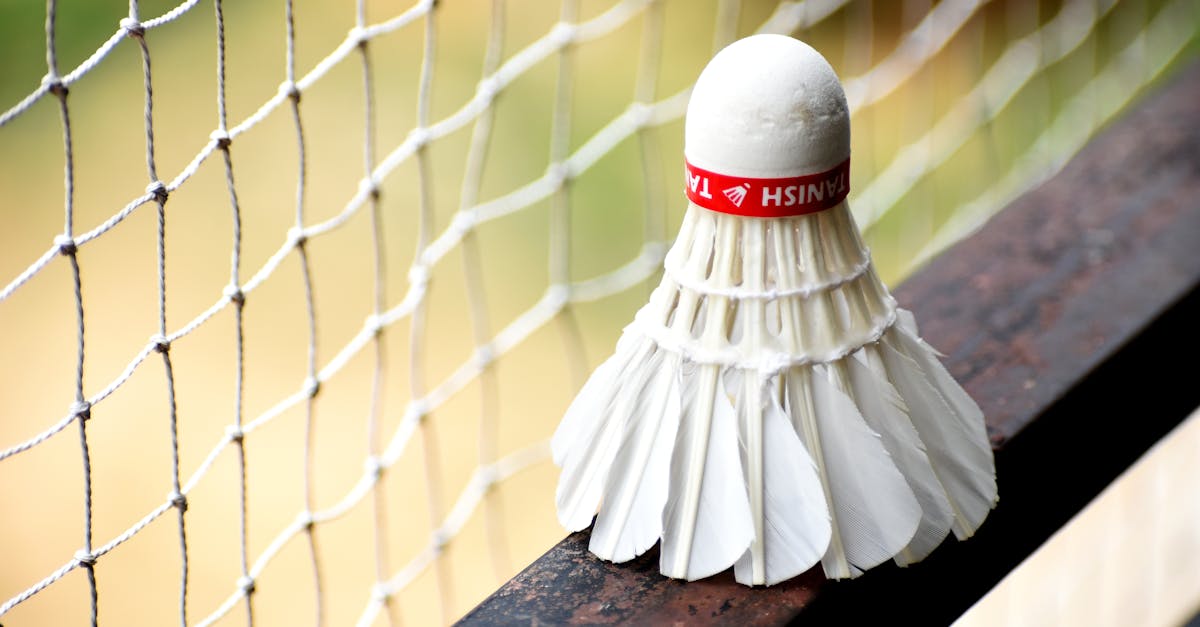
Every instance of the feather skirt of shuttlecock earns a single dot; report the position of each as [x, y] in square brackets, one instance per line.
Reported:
[771, 408]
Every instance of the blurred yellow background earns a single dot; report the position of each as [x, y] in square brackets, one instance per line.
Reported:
[41, 490]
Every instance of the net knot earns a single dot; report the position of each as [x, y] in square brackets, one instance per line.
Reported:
[655, 251]
[85, 557]
[418, 276]
[488, 477]
[132, 27]
[374, 324]
[235, 433]
[380, 593]
[55, 85]
[370, 187]
[304, 520]
[234, 293]
[221, 136]
[358, 35]
[82, 410]
[178, 500]
[489, 88]
[641, 113]
[562, 34]
[559, 173]
[373, 467]
[438, 540]
[161, 343]
[289, 90]
[66, 245]
[485, 354]
[419, 136]
[558, 295]
[158, 190]
[312, 386]
[245, 583]
[463, 221]
[418, 408]
[297, 237]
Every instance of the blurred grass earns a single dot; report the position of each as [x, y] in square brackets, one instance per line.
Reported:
[129, 433]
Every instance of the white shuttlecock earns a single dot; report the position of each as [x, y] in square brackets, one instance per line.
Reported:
[771, 407]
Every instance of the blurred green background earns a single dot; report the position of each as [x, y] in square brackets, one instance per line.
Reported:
[41, 489]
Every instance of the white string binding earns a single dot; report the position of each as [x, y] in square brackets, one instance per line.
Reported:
[769, 363]
[676, 274]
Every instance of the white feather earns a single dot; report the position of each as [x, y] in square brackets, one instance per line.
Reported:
[707, 524]
[874, 513]
[907, 321]
[794, 528]
[965, 408]
[886, 414]
[958, 451]
[595, 398]
[630, 521]
[587, 461]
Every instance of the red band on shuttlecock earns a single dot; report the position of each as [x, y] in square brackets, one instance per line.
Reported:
[767, 198]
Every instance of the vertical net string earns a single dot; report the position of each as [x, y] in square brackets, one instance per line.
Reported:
[726, 28]
[560, 200]
[135, 31]
[67, 247]
[433, 474]
[236, 296]
[311, 384]
[654, 229]
[489, 391]
[379, 507]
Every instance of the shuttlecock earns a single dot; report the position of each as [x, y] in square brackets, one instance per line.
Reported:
[771, 407]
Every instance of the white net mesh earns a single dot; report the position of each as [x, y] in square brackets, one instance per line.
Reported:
[518, 173]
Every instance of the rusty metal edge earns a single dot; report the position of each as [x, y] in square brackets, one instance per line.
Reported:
[1058, 317]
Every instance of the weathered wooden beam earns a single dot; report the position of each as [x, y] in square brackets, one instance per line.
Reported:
[1071, 317]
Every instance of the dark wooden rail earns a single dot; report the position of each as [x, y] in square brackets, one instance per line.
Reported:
[1067, 317]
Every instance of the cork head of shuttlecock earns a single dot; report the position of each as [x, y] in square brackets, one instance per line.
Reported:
[767, 106]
